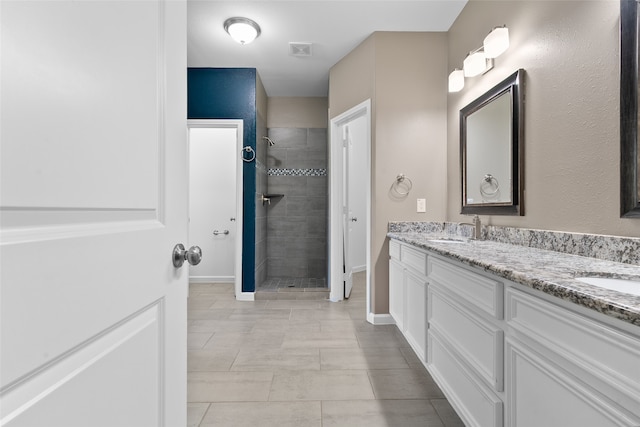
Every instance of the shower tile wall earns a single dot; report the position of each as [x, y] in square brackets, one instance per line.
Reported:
[297, 222]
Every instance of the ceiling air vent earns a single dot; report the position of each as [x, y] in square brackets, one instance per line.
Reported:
[300, 49]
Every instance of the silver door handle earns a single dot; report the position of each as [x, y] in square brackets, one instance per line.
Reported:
[354, 219]
[216, 232]
[193, 256]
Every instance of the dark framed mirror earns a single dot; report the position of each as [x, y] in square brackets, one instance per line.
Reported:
[491, 150]
[629, 152]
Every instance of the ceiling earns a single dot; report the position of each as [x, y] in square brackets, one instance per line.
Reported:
[335, 27]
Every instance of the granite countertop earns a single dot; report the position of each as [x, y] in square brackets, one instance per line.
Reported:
[548, 271]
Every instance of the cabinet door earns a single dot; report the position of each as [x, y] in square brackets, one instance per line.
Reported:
[541, 393]
[396, 293]
[416, 313]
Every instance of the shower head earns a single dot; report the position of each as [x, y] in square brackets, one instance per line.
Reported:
[269, 140]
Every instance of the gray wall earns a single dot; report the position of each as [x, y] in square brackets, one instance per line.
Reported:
[297, 222]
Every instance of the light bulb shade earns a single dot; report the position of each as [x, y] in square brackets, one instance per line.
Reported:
[497, 42]
[242, 30]
[456, 80]
[474, 64]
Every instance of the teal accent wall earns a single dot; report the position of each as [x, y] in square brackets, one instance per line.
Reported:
[230, 93]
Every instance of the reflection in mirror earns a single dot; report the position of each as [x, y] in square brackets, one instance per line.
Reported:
[629, 150]
[491, 149]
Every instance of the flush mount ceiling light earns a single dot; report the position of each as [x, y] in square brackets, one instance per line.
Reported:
[242, 30]
[480, 61]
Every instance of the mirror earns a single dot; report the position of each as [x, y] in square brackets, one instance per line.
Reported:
[629, 151]
[491, 150]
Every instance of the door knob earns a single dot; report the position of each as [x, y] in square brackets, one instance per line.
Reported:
[354, 219]
[193, 256]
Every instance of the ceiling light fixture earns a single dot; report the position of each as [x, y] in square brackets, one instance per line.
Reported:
[242, 30]
[480, 60]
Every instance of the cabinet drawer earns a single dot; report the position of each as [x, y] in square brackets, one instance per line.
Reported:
[479, 343]
[478, 290]
[612, 355]
[474, 402]
[394, 249]
[414, 259]
[541, 393]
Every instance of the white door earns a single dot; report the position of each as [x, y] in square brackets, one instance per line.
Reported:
[355, 198]
[93, 200]
[214, 219]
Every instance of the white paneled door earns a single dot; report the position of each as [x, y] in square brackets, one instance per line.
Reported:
[93, 200]
[215, 217]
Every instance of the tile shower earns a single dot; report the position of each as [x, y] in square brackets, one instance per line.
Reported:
[296, 250]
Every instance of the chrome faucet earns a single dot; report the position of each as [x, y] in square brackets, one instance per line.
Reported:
[477, 225]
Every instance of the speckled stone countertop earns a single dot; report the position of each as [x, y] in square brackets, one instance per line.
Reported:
[548, 271]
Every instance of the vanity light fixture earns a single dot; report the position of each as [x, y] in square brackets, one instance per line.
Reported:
[497, 42]
[476, 63]
[480, 60]
[456, 80]
[242, 30]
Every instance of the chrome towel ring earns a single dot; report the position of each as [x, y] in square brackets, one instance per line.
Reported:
[249, 150]
[489, 186]
[402, 185]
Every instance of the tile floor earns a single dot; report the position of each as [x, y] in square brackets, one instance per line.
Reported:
[276, 284]
[295, 359]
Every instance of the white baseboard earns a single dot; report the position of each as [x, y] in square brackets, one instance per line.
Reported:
[212, 279]
[380, 319]
[246, 296]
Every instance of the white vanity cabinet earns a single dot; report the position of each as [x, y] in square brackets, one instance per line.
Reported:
[507, 355]
[408, 293]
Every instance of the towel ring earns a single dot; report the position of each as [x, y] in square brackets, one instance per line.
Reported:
[248, 149]
[489, 186]
[402, 179]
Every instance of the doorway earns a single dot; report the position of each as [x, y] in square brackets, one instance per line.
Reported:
[215, 202]
[350, 201]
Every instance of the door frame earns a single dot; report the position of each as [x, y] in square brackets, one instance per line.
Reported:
[336, 211]
[238, 126]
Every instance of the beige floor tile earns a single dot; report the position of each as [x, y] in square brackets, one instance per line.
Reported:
[362, 358]
[259, 314]
[255, 340]
[228, 386]
[299, 325]
[264, 414]
[210, 314]
[320, 385]
[211, 360]
[294, 359]
[201, 302]
[233, 303]
[198, 339]
[379, 413]
[221, 326]
[195, 413]
[447, 413]
[413, 383]
[319, 340]
[411, 357]
[320, 314]
[380, 339]
[293, 303]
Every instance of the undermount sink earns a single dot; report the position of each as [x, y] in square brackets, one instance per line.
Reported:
[626, 286]
[447, 240]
